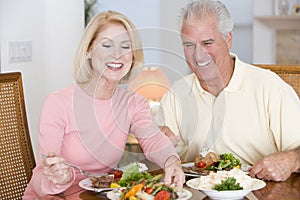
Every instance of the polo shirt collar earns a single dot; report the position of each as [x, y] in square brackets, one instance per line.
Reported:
[235, 83]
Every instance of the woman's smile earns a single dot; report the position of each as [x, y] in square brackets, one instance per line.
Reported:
[114, 66]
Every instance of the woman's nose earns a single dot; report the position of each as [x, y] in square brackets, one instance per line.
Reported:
[116, 52]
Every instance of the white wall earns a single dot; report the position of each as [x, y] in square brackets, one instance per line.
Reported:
[54, 27]
[264, 45]
[241, 12]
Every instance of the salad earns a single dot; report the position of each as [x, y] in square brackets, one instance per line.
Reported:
[148, 189]
[211, 161]
[142, 185]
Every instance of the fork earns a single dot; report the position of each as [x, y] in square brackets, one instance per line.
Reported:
[83, 172]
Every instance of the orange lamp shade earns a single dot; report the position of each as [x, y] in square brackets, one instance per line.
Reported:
[151, 83]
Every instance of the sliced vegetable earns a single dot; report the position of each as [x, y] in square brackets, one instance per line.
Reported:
[201, 164]
[114, 185]
[149, 190]
[133, 198]
[118, 174]
[162, 195]
[134, 190]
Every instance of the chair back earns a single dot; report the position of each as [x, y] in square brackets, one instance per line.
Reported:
[289, 73]
[16, 157]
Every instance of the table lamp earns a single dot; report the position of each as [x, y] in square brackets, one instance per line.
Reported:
[151, 83]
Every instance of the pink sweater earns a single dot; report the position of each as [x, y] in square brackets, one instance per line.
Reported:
[92, 134]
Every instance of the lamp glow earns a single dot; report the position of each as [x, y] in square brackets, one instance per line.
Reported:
[151, 83]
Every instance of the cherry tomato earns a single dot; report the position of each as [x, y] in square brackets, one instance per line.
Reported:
[149, 190]
[117, 174]
[162, 195]
[201, 164]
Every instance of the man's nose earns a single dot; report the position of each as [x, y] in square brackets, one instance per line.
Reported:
[200, 52]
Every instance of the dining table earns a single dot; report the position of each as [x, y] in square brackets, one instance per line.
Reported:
[284, 190]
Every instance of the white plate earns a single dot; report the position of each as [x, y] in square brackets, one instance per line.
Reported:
[87, 185]
[233, 194]
[182, 193]
[244, 168]
[190, 164]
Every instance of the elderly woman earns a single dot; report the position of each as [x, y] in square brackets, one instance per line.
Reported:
[87, 124]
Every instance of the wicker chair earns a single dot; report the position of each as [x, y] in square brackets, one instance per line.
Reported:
[16, 154]
[289, 73]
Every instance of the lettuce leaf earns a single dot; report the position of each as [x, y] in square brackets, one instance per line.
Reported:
[132, 168]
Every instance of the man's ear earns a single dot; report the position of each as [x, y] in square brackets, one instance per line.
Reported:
[228, 40]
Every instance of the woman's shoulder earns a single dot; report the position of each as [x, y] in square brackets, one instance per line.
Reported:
[61, 94]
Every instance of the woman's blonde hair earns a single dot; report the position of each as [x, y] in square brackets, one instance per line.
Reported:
[83, 69]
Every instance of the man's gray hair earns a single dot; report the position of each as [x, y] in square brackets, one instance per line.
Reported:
[202, 9]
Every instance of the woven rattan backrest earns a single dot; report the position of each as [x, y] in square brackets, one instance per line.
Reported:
[16, 155]
[289, 73]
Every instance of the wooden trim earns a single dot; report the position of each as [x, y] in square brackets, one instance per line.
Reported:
[294, 69]
[289, 73]
[21, 147]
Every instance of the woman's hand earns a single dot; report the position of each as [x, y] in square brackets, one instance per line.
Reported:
[55, 170]
[173, 172]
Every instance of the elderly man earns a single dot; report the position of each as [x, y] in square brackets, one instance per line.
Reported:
[226, 105]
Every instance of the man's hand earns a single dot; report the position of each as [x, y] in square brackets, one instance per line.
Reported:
[167, 131]
[173, 172]
[277, 166]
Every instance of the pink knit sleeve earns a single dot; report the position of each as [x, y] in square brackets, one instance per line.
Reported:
[51, 133]
[156, 146]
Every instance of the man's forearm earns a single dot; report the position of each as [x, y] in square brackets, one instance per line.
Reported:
[298, 153]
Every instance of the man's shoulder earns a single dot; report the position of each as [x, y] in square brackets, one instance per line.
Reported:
[260, 77]
[251, 70]
[256, 72]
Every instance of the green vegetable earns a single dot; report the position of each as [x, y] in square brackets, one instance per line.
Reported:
[134, 177]
[132, 168]
[227, 160]
[228, 184]
[132, 174]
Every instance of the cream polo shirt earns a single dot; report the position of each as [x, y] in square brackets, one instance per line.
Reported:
[255, 115]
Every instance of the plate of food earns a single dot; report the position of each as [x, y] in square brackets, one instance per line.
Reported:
[191, 169]
[204, 164]
[112, 181]
[137, 184]
[232, 184]
[98, 183]
[158, 190]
